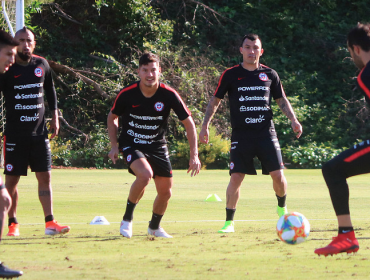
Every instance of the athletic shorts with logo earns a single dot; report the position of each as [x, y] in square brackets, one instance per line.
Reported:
[24, 151]
[158, 158]
[266, 149]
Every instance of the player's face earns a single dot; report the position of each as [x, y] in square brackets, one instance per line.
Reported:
[7, 54]
[251, 51]
[26, 45]
[149, 74]
[355, 58]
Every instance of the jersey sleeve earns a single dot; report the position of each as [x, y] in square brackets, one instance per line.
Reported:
[276, 87]
[118, 107]
[49, 89]
[363, 81]
[179, 107]
[223, 85]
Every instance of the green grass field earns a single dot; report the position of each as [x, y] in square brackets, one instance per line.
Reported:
[197, 251]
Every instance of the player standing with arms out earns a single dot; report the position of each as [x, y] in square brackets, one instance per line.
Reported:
[26, 136]
[144, 108]
[250, 87]
[8, 49]
[354, 161]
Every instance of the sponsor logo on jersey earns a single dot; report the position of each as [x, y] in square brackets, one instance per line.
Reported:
[255, 120]
[263, 77]
[39, 72]
[140, 141]
[10, 149]
[231, 165]
[30, 119]
[129, 157]
[253, 98]
[28, 96]
[28, 107]
[135, 106]
[9, 167]
[142, 136]
[158, 106]
[143, 126]
[253, 88]
[146, 118]
[17, 76]
[38, 85]
[254, 109]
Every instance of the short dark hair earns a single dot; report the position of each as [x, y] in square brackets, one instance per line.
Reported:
[147, 58]
[7, 40]
[360, 36]
[24, 30]
[250, 36]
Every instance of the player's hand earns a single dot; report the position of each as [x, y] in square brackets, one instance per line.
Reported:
[297, 128]
[203, 135]
[194, 166]
[113, 154]
[54, 126]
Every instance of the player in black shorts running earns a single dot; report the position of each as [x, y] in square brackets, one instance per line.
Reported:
[8, 49]
[144, 108]
[250, 87]
[354, 161]
[26, 140]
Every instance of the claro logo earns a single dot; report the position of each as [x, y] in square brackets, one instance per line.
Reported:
[30, 119]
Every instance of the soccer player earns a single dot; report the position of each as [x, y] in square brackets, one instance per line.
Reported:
[26, 136]
[354, 161]
[8, 49]
[250, 87]
[144, 108]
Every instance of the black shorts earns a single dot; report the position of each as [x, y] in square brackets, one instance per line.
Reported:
[23, 151]
[266, 149]
[158, 158]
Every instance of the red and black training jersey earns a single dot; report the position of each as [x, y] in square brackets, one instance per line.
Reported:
[144, 120]
[363, 81]
[250, 94]
[24, 88]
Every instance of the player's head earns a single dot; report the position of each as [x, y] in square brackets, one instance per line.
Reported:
[27, 43]
[8, 49]
[358, 43]
[251, 49]
[149, 69]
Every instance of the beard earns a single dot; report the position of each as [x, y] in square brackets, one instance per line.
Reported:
[24, 57]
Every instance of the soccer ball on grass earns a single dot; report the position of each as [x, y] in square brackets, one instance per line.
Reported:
[293, 228]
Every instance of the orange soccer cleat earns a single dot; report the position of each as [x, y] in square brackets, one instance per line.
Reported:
[52, 228]
[13, 230]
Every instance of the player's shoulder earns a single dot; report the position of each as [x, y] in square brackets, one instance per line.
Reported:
[167, 88]
[129, 88]
[365, 72]
[268, 70]
[39, 59]
[232, 69]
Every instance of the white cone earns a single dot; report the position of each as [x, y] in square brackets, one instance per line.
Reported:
[99, 220]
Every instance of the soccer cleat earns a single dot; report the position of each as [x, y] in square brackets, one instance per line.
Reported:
[343, 243]
[13, 230]
[158, 232]
[9, 273]
[52, 228]
[126, 229]
[228, 227]
[281, 211]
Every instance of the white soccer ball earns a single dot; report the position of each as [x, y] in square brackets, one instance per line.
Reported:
[293, 228]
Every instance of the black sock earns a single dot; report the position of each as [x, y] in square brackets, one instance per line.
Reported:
[345, 229]
[156, 220]
[230, 214]
[281, 200]
[49, 218]
[129, 214]
[12, 220]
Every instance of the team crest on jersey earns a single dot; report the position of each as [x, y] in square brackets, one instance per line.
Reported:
[9, 167]
[39, 72]
[231, 165]
[159, 106]
[129, 157]
[263, 77]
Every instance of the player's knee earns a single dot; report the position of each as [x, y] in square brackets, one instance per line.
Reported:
[6, 201]
[144, 177]
[236, 178]
[165, 194]
[278, 176]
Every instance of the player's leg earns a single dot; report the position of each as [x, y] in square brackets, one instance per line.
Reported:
[11, 183]
[280, 185]
[163, 186]
[352, 162]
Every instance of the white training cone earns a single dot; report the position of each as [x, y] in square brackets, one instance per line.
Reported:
[213, 197]
[99, 220]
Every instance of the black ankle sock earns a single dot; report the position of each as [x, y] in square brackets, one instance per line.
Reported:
[49, 218]
[129, 214]
[230, 214]
[12, 220]
[156, 220]
[345, 229]
[281, 200]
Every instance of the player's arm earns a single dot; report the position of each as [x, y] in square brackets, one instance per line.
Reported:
[287, 109]
[191, 134]
[51, 97]
[211, 110]
[112, 124]
[54, 123]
